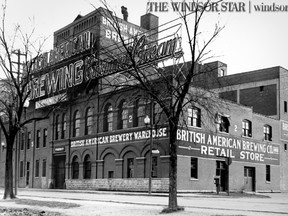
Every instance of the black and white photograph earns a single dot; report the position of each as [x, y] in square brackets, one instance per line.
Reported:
[149, 107]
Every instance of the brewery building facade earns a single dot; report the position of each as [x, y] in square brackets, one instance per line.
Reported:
[98, 140]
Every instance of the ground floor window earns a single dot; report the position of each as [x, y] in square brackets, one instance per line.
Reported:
[21, 169]
[37, 168]
[130, 167]
[194, 168]
[268, 173]
[75, 168]
[44, 168]
[154, 166]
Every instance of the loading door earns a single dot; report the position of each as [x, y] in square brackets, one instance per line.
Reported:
[59, 173]
[249, 178]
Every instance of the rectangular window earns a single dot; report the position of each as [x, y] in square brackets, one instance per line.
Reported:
[22, 141]
[246, 128]
[267, 132]
[110, 174]
[29, 140]
[21, 169]
[268, 173]
[44, 168]
[194, 117]
[130, 167]
[154, 166]
[285, 106]
[37, 168]
[45, 134]
[285, 147]
[38, 135]
[194, 168]
[222, 123]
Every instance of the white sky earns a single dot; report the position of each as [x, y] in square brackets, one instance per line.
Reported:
[249, 41]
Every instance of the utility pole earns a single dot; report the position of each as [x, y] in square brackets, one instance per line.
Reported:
[18, 72]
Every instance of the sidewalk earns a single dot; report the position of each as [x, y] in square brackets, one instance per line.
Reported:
[78, 202]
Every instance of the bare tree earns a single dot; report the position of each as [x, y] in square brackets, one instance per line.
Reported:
[173, 87]
[14, 91]
[170, 87]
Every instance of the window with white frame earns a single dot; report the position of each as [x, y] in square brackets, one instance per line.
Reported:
[267, 132]
[223, 123]
[246, 128]
[194, 117]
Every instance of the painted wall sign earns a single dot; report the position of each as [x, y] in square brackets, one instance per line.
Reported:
[80, 71]
[284, 130]
[196, 143]
[121, 137]
[65, 50]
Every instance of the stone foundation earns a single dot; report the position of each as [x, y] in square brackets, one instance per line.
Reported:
[135, 184]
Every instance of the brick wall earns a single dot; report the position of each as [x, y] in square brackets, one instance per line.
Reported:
[141, 184]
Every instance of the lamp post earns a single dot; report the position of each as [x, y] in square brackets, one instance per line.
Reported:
[147, 122]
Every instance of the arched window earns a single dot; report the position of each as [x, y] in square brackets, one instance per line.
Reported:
[122, 115]
[267, 132]
[64, 125]
[76, 124]
[157, 110]
[57, 127]
[88, 121]
[139, 113]
[246, 128]
[87, 167]
[108, 118]
[75, 168]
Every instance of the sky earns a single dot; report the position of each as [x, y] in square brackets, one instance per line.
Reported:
[250, 40]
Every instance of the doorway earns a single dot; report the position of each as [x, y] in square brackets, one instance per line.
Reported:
[221, 171]
[249, 178]
[59, 171]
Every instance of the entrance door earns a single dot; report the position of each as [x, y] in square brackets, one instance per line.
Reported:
[249, 178]
[221, 171]
[59, 171]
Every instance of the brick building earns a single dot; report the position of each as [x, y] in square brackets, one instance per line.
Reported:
[97, 139]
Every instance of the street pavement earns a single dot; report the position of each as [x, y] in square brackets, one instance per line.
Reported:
[129, 203]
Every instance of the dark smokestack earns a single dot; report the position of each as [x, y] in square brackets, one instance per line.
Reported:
[124, 12]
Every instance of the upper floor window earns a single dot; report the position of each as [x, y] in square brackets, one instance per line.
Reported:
[267, 132]
[64, 126]
[29, 140]
[157, 110]
[122, 115]
[38, 136]
[246, 128]
[194, 117]
[88, 121]
[108, 118]
[22, 141]
[140, 113]
[45, 134]
[223, 123]
[76, 124]
[57, 127]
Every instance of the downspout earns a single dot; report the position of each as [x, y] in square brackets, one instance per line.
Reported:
[34, 128]
[97, 130]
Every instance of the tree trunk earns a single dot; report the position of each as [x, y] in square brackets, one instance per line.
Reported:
[8, 192]
[172, 205]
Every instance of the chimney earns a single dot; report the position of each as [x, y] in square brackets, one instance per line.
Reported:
[125, 13]
[150, 22]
